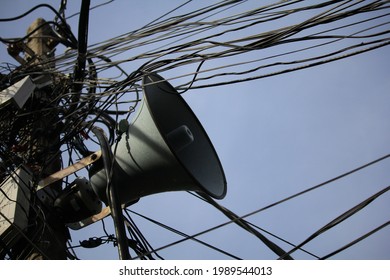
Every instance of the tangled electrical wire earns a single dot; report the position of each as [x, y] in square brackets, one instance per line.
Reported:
[221, 43]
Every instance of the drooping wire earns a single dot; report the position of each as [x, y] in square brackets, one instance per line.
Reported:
[138, 242]
[297, 247]
[248, 225]
[243, 224]
[183, 235]
[62, 26]
[317, 186]
[355, 241]
[339, 219]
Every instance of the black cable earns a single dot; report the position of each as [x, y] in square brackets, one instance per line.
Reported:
[339, 219]
[355, 241]
[194, 78]
[266, 231]
[243, 224]
[136, 241]
[188, 237]
[31, 10]
[317, 186]
[82, 46]
[276, 203]
[62, 26]
[94, 7]
[112, 195]
[284, 240]
[11, 41]
[139, 236]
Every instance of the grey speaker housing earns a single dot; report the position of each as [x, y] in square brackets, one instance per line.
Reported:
[164, 149]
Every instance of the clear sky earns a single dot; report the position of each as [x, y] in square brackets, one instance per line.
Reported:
[275, 137]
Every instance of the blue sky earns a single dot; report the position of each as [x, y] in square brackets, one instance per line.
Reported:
[275, 137]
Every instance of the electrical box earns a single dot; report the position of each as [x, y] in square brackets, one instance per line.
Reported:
[18, 92]
[14, 205]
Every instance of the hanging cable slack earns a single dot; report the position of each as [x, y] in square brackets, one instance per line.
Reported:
[112, 195]
[242, 223]
[339, 219]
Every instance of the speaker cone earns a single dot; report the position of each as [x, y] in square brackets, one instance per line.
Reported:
[164, 149]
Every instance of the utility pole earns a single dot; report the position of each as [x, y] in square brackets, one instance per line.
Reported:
[42, 156]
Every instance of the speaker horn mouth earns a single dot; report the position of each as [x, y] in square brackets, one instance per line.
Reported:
[170, 112]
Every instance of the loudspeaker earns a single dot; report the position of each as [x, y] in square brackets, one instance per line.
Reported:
[164, 149]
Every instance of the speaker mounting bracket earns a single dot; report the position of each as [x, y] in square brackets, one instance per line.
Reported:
[59, 175]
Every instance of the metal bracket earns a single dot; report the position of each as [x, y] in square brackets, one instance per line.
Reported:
[59, 175]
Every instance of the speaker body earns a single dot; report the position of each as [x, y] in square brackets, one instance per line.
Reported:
[164, 149]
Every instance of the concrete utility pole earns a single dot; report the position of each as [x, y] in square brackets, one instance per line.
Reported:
[44, 149]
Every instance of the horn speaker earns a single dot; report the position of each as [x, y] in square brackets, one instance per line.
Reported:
[164, 149]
